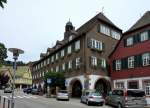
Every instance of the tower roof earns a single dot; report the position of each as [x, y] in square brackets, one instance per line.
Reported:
[144, 20]
[69, 23]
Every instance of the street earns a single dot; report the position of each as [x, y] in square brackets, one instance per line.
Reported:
[34, 101]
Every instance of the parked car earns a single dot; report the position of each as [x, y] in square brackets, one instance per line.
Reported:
[62, 95]
[92, 97]
[25, 90]
[35, 91]
[8, 90]
[129, 98]
[29, 90]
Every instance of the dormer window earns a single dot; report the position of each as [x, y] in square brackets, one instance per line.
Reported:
[129, 41]
[69, 49]
[70, 37]
[144, 36]
[77, 45]
[105, 30]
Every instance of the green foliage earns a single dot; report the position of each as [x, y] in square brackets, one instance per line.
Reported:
[1, 3]
[3, 53]
[3, 79]
[10, 63]
[57, 78]
[53, 74]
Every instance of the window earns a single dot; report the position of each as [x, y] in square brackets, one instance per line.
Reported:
[56, 56]
[94, 61]
[43, 73]
[44, 62]
[77, 45]
[48, 61]
[146, 59]
[118, 64]
[105, 30]
[131, 62]
[133, 85]
[144, 36]
[57, 68]
[62, 53]
[96, 44]
[70, 37]
[52, 69]
[63, 66]
[103, 63]
[115, 34]
[69, 49]
[119, 85]
[70, 64]
[77, 62]
[147, 87]
[52, 59]
[129, 41]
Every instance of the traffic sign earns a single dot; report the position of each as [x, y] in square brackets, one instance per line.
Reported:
[49, 81]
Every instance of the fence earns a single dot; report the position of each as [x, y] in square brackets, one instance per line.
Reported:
[5, 102]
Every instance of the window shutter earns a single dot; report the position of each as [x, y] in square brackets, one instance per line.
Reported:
[98, 28]
[138, 38]
[103, 46]
[90, 61]
[73, 47]
[99, 62]
[114, 65]
[65, 51]
[140, 60]
[89, 43]
[134, 39]
[149, 34]
[66, 66]
[124, 63]
[136, 61]
[73, 64]
[125, 42]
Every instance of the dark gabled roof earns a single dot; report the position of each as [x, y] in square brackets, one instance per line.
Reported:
[143, 21]
[85, 27]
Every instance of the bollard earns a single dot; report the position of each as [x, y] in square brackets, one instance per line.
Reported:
[8, 103]
[4, 103]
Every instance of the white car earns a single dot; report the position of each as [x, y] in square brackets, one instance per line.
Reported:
[8, 90]
[62, 95]
[91, 97]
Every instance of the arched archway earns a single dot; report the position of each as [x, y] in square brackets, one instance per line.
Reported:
[76, 88]
[103, 86]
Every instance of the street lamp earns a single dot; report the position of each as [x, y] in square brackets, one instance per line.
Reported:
[16, 53]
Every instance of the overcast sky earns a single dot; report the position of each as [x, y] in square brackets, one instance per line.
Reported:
[35, 25]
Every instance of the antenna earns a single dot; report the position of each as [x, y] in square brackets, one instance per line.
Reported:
[103, 10]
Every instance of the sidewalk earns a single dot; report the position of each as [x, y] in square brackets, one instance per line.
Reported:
[148, 106]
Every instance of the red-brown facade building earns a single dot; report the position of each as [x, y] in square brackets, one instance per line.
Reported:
[82, 55]
[130, 60]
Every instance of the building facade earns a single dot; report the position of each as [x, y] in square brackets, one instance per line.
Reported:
[82, 55]
[130, 60]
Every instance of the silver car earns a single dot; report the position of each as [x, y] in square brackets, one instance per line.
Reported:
[92, 97]
[130, 98]
[62, 95]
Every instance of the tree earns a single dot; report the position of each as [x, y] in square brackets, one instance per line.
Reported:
[1, 3]
[3, 79]
[57, 78]
[3, 53]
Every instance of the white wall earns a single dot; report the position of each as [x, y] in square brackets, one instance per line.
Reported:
[80, 78]
[94, 78]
